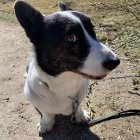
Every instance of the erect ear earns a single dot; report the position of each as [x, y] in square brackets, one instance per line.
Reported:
[31, 20]
[63, 7]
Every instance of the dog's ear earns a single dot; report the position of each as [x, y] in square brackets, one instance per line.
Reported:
[31, 20]
[63, 7]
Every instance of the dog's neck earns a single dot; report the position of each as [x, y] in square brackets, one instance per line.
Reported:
[65, 81]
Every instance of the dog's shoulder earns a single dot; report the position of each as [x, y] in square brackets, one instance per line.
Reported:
[65, 84]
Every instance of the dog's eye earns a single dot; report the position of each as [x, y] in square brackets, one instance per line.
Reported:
[71, 38]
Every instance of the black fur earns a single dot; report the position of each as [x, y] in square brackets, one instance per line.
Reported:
[31, 20]
[55, 54]
[64, 7]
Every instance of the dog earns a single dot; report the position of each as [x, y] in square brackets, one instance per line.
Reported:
[66, 55]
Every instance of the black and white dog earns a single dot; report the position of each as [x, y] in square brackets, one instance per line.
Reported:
[66, 54]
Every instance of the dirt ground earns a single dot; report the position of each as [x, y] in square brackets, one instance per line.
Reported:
[18, 117]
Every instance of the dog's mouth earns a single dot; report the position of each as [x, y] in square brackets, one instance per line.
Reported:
[99, 77]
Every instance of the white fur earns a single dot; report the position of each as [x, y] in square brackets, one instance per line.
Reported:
[98, 54]
[70, 16]
[98, 51]
[58, 92]
[55, 99]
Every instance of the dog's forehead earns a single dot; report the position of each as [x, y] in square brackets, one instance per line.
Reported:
[73, 16]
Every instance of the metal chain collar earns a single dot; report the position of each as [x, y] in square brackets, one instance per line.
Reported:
[75, 104]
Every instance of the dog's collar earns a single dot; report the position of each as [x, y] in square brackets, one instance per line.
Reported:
[44, 83]
[75, 104]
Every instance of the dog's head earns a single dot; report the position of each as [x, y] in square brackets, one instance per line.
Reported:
[65, 41]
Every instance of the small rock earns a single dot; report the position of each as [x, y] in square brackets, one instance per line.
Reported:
[9, 78]
[7, 99]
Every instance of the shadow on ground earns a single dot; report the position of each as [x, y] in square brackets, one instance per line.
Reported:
[65, 130]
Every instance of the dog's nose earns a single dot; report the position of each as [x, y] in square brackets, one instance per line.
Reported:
[111, 64]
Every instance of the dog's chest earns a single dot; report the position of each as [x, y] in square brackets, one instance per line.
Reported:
[56, 97]
[66, 85]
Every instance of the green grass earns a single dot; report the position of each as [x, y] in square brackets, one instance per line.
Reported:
[8, 17]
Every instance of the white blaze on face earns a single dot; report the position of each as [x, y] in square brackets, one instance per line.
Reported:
[98, 52]
[93, 63]
[97, 55]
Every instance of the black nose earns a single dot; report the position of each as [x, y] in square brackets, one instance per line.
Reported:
[111, 64]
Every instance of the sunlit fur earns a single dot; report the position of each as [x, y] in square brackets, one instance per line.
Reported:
[54, 78]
